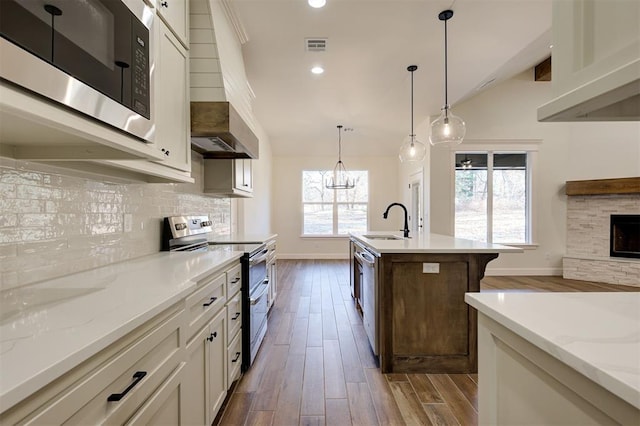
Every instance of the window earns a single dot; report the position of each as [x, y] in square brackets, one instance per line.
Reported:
[493, 197]
[334, 211]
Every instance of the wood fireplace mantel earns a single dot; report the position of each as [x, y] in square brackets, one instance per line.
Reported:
[629, 185]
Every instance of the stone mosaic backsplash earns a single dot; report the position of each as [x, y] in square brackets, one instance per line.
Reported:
[588, 225]
[53, 223]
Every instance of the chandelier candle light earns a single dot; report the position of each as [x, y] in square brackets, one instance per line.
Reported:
[340, 178]
[412, 149]
[447, 129]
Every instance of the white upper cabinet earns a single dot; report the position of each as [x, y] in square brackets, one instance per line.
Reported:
[175, 13]
[172, 107]
[596, 61]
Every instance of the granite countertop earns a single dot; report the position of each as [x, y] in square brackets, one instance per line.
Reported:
[596, 334]
[241, 238]
[427, 243]
[47, 329]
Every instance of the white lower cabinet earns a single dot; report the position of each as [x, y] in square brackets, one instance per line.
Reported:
[205, 377]
[116, 386]
[175, 369]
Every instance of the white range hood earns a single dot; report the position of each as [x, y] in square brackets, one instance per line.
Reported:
[596, 61]
[613, 97]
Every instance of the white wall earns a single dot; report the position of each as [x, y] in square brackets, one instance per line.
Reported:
[568, 151]
[406, 170]
[254, 214]
[287, 203]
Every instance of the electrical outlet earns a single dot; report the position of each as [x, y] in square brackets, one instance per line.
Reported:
[430, 268]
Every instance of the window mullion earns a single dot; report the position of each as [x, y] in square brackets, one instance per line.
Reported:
[490, 196]
[335, 216]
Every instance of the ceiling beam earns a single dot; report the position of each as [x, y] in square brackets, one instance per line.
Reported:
[543, 70]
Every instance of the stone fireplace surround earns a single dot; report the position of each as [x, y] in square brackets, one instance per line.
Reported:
[590, 205]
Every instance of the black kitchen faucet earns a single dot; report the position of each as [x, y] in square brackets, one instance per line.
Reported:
[406, 222]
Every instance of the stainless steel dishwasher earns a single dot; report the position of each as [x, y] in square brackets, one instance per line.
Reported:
[369, 295]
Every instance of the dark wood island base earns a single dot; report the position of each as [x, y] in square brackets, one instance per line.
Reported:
[425, 326]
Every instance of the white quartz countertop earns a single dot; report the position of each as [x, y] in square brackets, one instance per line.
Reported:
[241, 238]
[597, 334]
[46, 329]
[427, 243]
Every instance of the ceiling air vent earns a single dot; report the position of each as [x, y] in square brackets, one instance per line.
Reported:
[316, 44]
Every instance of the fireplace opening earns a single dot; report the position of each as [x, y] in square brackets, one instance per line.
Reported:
[624, 238]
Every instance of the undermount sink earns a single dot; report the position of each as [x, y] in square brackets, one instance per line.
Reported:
[383, 237]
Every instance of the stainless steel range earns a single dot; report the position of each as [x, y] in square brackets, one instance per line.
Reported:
[189, 233]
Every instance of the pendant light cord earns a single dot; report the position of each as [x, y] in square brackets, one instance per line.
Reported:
[412, 134]
[339, 144]
[446, 82]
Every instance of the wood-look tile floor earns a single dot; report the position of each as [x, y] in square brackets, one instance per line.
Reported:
[315, 366]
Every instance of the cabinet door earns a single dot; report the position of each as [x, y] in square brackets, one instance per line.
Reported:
[176, 15]
[247, 180]
[163, 407]
[217, 370]
[242, 174]
[194, 397]
[273, 282]
[171, 101]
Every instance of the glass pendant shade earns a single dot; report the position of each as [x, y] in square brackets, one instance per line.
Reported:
[340, 179]
[412, 150]
[447, 129]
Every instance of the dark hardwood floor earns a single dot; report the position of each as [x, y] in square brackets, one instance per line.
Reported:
[315, 366]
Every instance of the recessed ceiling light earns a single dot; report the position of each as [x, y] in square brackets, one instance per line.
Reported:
[317, 3]
[317, 70]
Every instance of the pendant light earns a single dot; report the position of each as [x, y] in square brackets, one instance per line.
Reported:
[340, 178]
[412, 149]
[447, 129]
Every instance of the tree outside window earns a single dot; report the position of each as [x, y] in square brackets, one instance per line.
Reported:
[492, 197]
[334, 211]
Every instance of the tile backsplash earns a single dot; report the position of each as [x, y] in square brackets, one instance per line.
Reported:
[54, 222]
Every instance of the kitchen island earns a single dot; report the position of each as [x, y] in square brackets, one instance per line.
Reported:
[411, 291]
[558, 358]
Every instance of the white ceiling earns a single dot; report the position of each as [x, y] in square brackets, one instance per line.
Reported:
[366, 85]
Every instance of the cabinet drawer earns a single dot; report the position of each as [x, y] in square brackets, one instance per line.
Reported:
[204, 303]
[234, 359]
[234, 280]
[130, 376]
[234, 316]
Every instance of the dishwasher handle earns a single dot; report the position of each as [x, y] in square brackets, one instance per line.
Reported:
[366, 257]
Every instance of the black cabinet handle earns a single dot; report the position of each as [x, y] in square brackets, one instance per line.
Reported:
[236, 316]
[212, 336]
[235, 281]
[164, 4]
[236, 358]
[139, 375]
[213, 299]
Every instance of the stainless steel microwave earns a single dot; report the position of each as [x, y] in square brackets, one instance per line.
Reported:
[93, 56]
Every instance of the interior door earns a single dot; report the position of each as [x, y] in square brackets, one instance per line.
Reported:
[416, 207]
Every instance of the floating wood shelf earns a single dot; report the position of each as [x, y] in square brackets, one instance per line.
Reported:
[604, 186]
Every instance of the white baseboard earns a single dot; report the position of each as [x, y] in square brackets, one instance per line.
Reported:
[497, 272]
[311, 256]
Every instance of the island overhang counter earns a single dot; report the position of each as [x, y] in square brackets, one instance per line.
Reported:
[422, 324]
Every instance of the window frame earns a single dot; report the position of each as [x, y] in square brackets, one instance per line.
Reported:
[490, 147]
[334, 206]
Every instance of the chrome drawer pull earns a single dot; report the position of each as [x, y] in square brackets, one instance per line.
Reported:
[139, 375]
[213, 299]
[236, 358]
[236, 316]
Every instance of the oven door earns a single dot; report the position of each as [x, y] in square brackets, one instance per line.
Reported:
[91, 55]
[258, 314]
